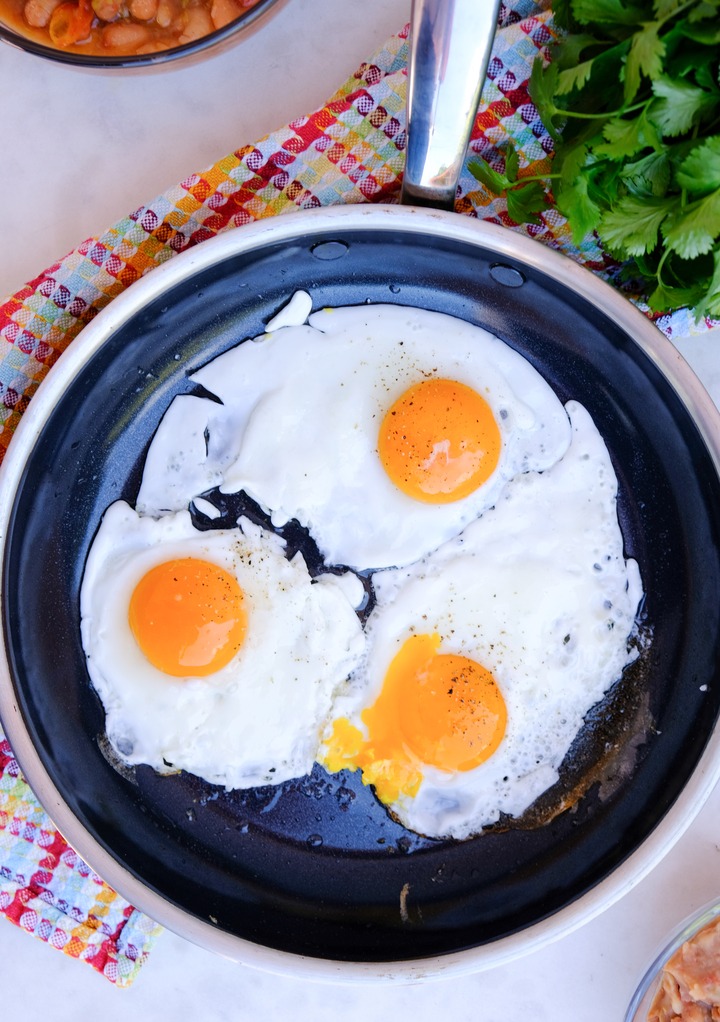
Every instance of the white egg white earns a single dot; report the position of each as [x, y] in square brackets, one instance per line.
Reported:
[255, 721]
[298, 427]
[539, 592]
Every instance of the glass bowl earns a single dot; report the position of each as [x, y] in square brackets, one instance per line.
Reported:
[643, 997]
[37, 41]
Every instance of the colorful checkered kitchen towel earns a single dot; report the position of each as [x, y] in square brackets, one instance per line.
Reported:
[46, 888]
[351, 150]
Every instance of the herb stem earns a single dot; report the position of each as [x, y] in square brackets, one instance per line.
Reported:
[658, 272]
[609, 113]
[673, 14]
[533, 177]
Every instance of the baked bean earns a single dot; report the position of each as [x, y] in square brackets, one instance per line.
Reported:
[125, 36]
[168, 11]
[37, 12]
[107, 10]
[223, 12]
[196, 23]
[143, 10]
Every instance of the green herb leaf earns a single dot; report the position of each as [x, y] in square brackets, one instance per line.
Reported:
[699, 172]
[678, 106]
[562, 14]
[525, 201]
[645, 58]
[632, 226]
[631, 98]
[512, 164]
[709, 304]
[571, 48]
[573, 159]
[649, 176]
[574, 77]
[582, 213]
[666, 8]
[666, 298]
[484, 173]
[704, 9]
[704, 76]
[542, 88]
[701, 33]
[691, 231]
[604, 12]
[627, 137]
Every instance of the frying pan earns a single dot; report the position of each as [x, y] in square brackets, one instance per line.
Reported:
[314, 876]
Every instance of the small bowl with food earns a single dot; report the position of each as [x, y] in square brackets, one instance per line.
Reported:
[105, 34]
[683, 982]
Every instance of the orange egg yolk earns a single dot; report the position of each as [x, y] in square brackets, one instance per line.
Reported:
[440, 441]
[187, 616]
[435, 709]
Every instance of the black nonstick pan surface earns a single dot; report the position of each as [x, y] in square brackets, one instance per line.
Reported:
[316, 867]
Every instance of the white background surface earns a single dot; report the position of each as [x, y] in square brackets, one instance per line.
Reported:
[77, 151]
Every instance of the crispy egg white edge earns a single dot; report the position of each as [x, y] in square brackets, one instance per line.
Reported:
[184, 722]
[257, 441]
[447, 805]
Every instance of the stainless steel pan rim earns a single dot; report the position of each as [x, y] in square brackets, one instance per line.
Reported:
[433, 224]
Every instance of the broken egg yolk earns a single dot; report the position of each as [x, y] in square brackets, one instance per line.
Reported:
[435, 709]
[439, 441]
[188, 617]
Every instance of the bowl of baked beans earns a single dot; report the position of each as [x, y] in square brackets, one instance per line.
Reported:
[124, 33]
[683, 982]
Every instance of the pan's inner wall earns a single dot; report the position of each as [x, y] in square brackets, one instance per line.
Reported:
[318, 868]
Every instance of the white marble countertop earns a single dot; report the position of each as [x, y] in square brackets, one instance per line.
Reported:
[78, 151]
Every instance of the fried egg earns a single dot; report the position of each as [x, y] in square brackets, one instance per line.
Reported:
[384, 430]
[210, 650]
[484, 658]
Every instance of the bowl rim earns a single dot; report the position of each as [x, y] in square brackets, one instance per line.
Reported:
[99, 62]
[507, 244]
[685, 930]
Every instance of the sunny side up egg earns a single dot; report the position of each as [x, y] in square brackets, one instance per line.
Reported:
[210, 650]
[384, 430]
[484, 658]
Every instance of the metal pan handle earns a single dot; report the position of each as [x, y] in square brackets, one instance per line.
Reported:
[450, 46]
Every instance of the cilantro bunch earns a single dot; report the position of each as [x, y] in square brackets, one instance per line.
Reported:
[632, 100]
